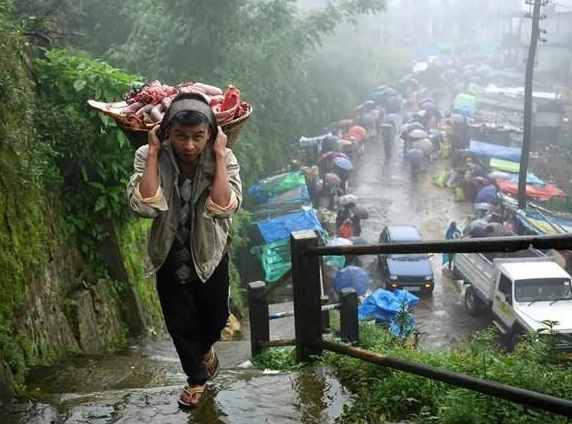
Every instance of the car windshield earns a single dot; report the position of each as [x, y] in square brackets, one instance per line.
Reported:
[543, 289]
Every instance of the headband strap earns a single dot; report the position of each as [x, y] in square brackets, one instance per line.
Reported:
[190, 105]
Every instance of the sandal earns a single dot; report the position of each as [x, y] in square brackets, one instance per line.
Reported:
[191, 396]
[212, 363]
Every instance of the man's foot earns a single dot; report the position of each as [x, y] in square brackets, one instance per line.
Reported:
[212, 363]
[191, 396]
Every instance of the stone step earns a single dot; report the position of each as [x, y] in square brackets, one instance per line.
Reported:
[237, 396]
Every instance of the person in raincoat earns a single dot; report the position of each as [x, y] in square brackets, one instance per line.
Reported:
[416, 159]
[452, 233]
[352, 214]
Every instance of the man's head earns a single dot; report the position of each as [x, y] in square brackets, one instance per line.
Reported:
[189, 125]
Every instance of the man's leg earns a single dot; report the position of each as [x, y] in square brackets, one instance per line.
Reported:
[212, 302]
[181, 314]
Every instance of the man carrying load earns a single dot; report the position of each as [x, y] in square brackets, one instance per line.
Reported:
[188, 182]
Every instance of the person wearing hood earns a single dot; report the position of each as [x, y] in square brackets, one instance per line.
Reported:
[188, 182]
[452, 233]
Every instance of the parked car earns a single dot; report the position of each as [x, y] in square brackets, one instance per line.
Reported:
[411, 272]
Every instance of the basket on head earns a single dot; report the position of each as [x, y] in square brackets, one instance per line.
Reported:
[138, 137]
[232, 129]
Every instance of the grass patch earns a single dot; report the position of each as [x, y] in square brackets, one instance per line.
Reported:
[381, 394]
[384, 395]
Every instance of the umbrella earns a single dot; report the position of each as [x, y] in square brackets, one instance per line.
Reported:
[332, 180]
[343, 163]
[345, 123]
[361, 213]
[337, 261]
[487, 194]
[357, 132]
[424, 145]
[353, 277]
[332, 155]
[418, 134]
[415, 156]
[347, 199]
[411, 126]
[426, 100]
[340, 241]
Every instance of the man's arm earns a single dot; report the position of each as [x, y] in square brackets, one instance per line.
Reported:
[220, 191]
[149, 183]
[226, 192]
[144, 190]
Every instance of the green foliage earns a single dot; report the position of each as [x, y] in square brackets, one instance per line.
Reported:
[132, 243]
[280, 358]
[268, 49]
[239, 239]
[383, 394]
[29, 226]
[93, 156]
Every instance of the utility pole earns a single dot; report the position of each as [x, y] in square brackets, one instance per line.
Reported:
[528, 100]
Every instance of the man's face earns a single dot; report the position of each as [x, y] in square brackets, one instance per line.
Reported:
[189, 142]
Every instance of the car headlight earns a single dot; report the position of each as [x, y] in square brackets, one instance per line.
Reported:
[393, 277]
[428, 278]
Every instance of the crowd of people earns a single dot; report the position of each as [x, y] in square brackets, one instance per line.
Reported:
[329, 159]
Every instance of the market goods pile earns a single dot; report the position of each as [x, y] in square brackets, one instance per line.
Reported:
[145, 106]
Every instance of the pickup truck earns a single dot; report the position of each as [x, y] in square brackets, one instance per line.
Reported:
[522, 291]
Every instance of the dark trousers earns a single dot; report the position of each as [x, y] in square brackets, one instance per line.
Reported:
[195, 314]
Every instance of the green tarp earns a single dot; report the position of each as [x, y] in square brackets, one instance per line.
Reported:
[505, 165]
[277, 261]
[270, 187]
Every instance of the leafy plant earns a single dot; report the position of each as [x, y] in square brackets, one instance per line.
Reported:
[281, 358]
[384, 394]
[93, 156]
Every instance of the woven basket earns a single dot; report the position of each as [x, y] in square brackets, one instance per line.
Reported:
[138, 137]
[232, 129]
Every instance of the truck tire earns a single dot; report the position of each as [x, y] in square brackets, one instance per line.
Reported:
[472, 303]
[456, 273]
[513, 337]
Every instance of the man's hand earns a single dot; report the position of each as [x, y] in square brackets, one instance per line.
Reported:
[153, 141]
[220, 143]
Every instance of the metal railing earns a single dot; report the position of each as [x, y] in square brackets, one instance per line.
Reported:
[309, 315]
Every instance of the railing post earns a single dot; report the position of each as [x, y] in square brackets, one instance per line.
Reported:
[324, 300]
[307, 295]
[349, 327]
[258, 313]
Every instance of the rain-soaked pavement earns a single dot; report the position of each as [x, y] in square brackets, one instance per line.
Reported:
[142, 385]
[391, 196]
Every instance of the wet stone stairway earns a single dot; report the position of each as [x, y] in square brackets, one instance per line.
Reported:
[142, 385]
[235, 397]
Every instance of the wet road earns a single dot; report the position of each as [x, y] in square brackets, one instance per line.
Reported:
[391, 196]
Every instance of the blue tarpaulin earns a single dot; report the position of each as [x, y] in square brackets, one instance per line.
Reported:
[487, 194]
[383, 305]
[279, 228]
[530, 179]
[488, 150]
[352, 277]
